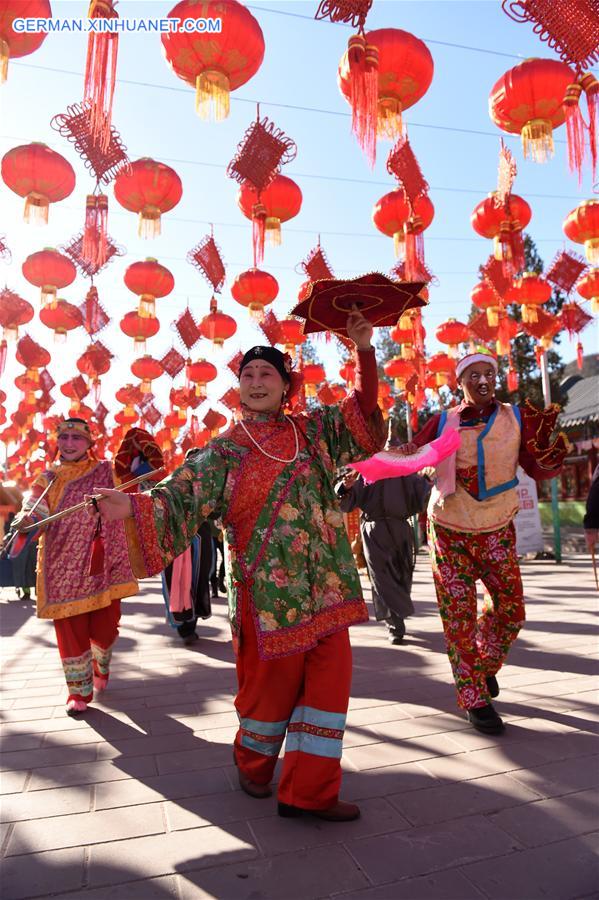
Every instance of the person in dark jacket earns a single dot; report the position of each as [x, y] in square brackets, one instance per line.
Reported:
[388, 539]
[591, 518]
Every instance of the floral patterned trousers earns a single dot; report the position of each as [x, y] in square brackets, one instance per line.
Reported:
[85, 643]
[477, 646]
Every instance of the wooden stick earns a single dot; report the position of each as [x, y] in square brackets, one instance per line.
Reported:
[71, 509]
[10, 540]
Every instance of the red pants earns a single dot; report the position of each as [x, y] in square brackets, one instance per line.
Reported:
[304, 696]
[85, 645]
[477, 647]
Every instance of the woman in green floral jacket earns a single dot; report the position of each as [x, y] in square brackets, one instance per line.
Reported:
[292, 583]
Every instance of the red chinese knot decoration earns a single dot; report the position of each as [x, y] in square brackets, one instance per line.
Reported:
[206, 257]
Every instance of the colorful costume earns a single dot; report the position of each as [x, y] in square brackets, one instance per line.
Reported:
[85, 608]
[292, 583]
[471, 531]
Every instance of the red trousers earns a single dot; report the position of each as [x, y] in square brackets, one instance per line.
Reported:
[304, 696]
[85, 645]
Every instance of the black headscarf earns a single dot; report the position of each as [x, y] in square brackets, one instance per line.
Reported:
[271, 355]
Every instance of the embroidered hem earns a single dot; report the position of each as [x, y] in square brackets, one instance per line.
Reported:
[87, 604]
[301, 638]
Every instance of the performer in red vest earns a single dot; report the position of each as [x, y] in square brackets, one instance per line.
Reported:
[471, 530]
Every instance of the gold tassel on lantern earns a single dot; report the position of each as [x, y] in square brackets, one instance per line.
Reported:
[258, 231]
[60, 336]
[399, 245]
[389, 122]
[36, 209]
[591, 249]
[139, 346]
[48, 296]
[256, 311]
[4, 57]
[493, 316]
[273, 230]
[149, 222]
[537, 140]
[212, 95]
[147, 306]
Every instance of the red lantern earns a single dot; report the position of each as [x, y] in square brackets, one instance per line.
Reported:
[291, 335]
[149, 188]
[484, 296]
[453, 333]
[313, 374]
[146, 369]
[14, 311]
[217, 327]
[279, 202]
[61, 317]
[14, 44]
[129, 395]
[588, 288]
[530, 291]
[40, 175]
[49, 270]
[127, 416]
[255, 289]
[392, 216]
[140, 329]
[401, 370]
[582, 227]
[442, 366]
[348, 373]
[405, 72]
[149, 280]
[218, 63]
[200, 372]
[528, 100]
[94, 362]
[405, 338]
[493, 220]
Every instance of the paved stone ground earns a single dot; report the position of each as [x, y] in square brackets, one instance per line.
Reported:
[140, 801]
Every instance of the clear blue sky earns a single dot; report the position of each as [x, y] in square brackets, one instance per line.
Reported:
[472, 44]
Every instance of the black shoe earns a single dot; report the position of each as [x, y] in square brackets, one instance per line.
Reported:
[222, 588]
[339, 812]
[492, 685]
[214, 593]
[397, 631]
[190, 639]
[485, 719]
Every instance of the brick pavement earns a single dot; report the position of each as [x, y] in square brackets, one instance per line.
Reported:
[139, 799]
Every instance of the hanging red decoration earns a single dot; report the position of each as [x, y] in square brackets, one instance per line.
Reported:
[217, 326]
[291, 335]
[214, 421]
[75, 388]
[200, 373]
[187, 329]
[588, 288]
[493, 271]
[150, 189]
[49, 270]
[172, 363]
[100, 71]
[574, 319]
[484, 296]
[231, 399]
[313, 374]
[504, 224]
[88, 267]
[502, 335]
[207, 259]
[14, 312]
[258, 159]
[279, 202]
[269, 325]
[452, 333]
[61, 317]
[582, 227]
[93, 313]
[95, 362]
[316, 264]
[528, 100]
[140, 328]
[544, 328]
[76, 125]
[383, 73]
[220, 62]
[400, 370]
[14, 44]
[571, 28]
[149, 280]
[40, 175]
[564, 270]
[529, 291]
[392, 216]
[147, 370]
[255, 289]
